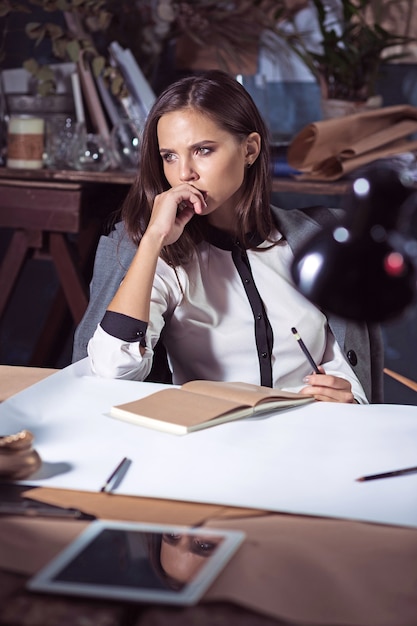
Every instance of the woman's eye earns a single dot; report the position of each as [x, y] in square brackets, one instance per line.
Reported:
[171, 538]
[168, 157]
[204, 547]
[203, 151]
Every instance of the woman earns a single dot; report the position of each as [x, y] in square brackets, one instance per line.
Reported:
[178, 558]
[211, 274]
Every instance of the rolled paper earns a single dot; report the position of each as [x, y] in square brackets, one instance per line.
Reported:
[78, 101]
[25, 142]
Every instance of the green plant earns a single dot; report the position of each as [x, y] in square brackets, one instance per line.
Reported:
[145, 27]
[66, 33]
[352, 48]
[347, 65]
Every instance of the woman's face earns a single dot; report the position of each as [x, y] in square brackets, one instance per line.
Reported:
[195, 150]
[183, 555]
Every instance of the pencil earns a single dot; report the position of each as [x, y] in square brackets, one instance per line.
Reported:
[115, 474]
[305, 350]
[411, 384]
[400, 472]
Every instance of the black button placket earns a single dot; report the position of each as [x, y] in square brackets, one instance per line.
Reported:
[263, 329]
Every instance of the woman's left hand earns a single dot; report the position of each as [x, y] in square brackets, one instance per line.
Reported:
[328, 388]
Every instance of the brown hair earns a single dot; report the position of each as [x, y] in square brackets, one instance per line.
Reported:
[220, 96]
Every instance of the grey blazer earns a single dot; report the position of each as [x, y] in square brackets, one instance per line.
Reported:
[361, 343]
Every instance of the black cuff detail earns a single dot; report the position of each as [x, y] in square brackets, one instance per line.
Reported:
[124, 327]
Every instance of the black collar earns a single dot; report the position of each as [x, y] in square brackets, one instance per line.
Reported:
[225, 241]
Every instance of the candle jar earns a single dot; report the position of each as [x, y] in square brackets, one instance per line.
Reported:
[25, 142]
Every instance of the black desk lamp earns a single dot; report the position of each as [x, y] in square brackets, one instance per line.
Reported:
[364, 268]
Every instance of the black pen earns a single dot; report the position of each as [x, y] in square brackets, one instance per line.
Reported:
[305, 350]
[116, 473]
[35, 509]
[400, 472]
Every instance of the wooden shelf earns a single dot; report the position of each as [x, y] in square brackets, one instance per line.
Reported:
[69, 176]
[292, 185]
[114, 177]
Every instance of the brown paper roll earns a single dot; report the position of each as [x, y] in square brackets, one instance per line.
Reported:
[329, 149]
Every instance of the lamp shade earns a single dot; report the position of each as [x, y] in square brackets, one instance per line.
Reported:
[360, 268]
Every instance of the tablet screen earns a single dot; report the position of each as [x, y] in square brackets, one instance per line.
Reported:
[139, 562]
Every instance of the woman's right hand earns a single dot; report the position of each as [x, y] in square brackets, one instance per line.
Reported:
[172, 210]
[165, 226]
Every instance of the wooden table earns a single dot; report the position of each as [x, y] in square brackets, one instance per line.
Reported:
[285, 185]
[18, 607]
[56, 215]
[311, 187]
[279, 184]
[363, 572]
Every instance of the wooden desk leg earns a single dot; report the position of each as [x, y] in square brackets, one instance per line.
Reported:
[57, 328]
[54, 334]
[11, 265]
[70, 276]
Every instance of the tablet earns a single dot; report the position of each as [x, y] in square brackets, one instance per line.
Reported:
[139, 563]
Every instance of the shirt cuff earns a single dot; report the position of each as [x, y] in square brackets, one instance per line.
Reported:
[124, 327]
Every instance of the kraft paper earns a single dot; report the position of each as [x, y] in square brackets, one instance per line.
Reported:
[329, 149]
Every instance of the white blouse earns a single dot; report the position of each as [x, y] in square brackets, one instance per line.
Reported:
[209, 318]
